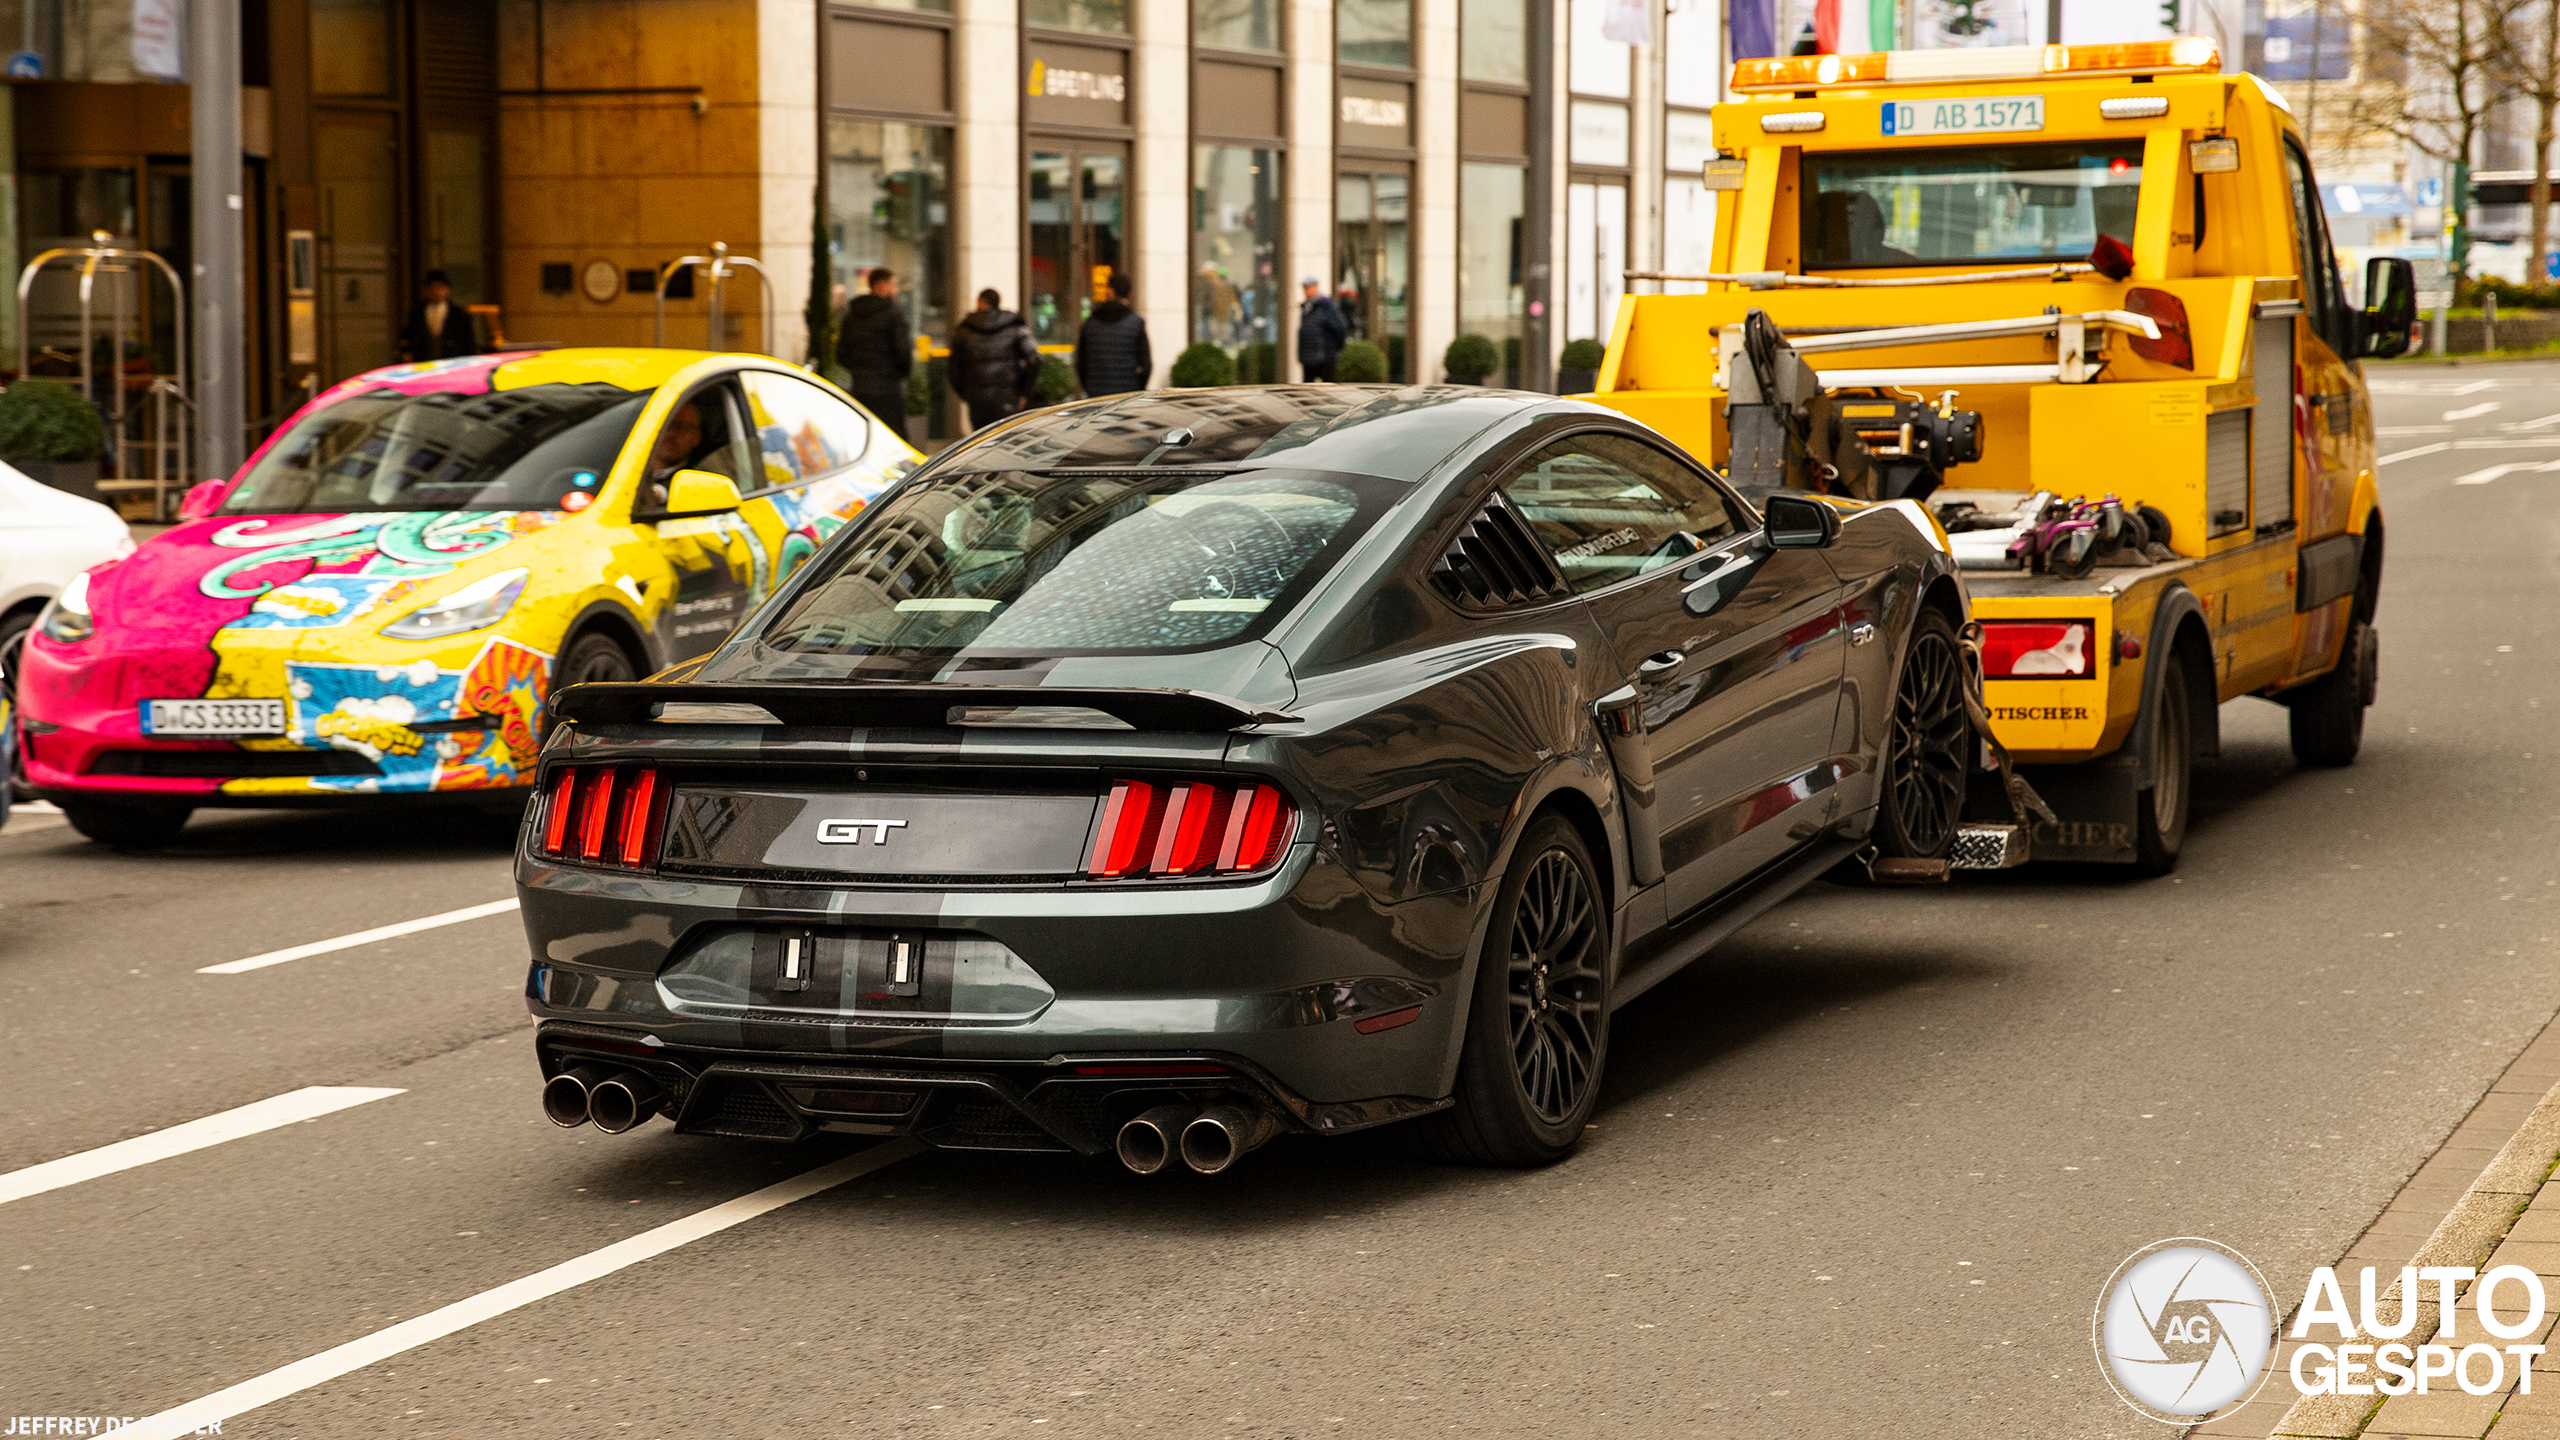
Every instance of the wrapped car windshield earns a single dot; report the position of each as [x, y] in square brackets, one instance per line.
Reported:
[1967, 203]
[523, 449]
[1027, 563]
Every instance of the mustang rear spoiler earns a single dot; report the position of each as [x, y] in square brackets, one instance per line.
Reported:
[875, 706]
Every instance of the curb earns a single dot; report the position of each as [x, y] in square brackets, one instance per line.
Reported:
[2469, 1234]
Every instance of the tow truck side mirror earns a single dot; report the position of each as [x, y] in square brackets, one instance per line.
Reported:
[1797, 522]
[2390, 307]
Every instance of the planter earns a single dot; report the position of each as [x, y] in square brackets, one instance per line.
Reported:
[77, 477]
[1576, 382]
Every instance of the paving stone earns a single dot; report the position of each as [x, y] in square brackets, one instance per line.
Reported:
[2437, 1413]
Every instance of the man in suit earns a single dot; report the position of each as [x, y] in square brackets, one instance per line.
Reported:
[438, 329]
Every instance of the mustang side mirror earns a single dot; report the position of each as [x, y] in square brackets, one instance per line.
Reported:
[2390, 307]
[698, 492]
[200, 500]
[1797, 522]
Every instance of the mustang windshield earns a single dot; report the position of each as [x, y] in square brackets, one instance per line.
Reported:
[1026, 563]
[525, 449]
[1966, 203]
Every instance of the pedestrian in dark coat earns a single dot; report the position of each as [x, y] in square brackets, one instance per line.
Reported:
[994, 361]
[437, 328]
[1322, 332]
[1112, 357]
[875, 349]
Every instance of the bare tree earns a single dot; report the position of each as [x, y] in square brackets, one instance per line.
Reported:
[2453, 51]
[2528, 63]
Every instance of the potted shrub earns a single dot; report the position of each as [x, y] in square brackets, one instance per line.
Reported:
[48, 431]
[1578, 368]
[1469, 359]
[1258, 364]
[1056, 384]
[1201, 365]
[1360, 363]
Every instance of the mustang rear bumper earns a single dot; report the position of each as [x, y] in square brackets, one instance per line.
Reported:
[1028, 1009]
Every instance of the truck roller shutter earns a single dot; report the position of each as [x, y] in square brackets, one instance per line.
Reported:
[2226, 471]
[2271, 423]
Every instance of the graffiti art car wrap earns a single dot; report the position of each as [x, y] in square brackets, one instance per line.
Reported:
[407, 562]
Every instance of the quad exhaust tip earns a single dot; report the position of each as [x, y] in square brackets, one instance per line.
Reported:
[623, 1102]
[1224, 1134]
[565, 1096]
[1147, 1144]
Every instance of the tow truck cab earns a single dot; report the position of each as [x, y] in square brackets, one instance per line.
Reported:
[2202, 366]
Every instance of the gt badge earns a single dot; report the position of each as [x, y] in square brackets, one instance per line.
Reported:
[849, 832]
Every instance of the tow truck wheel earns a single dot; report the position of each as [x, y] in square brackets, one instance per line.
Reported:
[1926, 749]
[2328, 713]
[131, 826]
[2160, 813]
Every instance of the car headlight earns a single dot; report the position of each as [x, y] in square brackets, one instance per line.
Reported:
[484, 601]
[67, 619]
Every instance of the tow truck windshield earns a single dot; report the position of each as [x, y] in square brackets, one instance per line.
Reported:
[1947, 206]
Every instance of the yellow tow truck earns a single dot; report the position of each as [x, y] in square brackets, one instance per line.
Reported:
[2076, 306]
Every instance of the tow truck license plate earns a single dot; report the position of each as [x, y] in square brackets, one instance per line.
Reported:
[213, 717]
[1959, 115]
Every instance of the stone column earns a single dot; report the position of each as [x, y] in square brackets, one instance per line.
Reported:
[986, 191]
[1308, 245]
[1160, 175]
[787, 176]
[1435, 211]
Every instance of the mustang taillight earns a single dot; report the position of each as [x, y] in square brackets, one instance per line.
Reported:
[1153, 829]
[604, 815]
[2035, 649]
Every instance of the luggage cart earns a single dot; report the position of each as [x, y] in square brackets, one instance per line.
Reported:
[722, 264]
[150, 431]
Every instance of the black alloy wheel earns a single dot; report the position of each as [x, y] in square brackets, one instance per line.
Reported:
[1556, 987]
[1928, 747]
[1537, 1035]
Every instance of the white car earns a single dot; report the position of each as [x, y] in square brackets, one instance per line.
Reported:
[46, 537]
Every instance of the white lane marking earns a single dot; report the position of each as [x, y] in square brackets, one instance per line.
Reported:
[2474, 388]
[2483, 477]
[361, 937]
[286, 1109]
[2411, 454]
[2472, 412]
[2533, 424]
[2512, 442]
[2392, 431]
[47, 807]
[489, 1304]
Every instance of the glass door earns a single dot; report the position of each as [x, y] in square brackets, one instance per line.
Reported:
[1372, 260]
[1077, 217]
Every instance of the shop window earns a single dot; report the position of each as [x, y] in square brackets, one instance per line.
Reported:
[889, 203]
[1235, 246]
[1252, 25]
[1493, 41]
[1374, 32]
[1490, 201]
[1692, 55]
[1094, 17]
[1598, 65]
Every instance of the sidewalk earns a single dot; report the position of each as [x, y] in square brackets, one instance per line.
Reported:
[2484, 1199]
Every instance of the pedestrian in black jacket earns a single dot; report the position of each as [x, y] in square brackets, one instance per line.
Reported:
[1112, 357]
[1322, 332]
[873, 346]
[437, 328]
[994, 361]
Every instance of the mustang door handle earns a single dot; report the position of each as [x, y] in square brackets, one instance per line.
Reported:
[1659, 664]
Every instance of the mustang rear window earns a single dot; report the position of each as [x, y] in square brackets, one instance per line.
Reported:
[1032, 564]
[521, 449]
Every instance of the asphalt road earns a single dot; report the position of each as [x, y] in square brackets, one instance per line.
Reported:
[1861, 1172]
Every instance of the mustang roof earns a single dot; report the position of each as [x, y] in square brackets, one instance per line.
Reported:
[1398, 432]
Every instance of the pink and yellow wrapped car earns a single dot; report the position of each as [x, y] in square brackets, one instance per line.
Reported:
[380, 600]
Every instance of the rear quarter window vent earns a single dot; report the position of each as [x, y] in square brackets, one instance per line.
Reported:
[1496, 561]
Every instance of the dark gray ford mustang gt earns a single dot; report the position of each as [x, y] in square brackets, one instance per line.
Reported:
[1165, 772]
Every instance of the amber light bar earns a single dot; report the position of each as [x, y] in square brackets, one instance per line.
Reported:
[1154, 830]
[604, 815]
[2187, 54]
